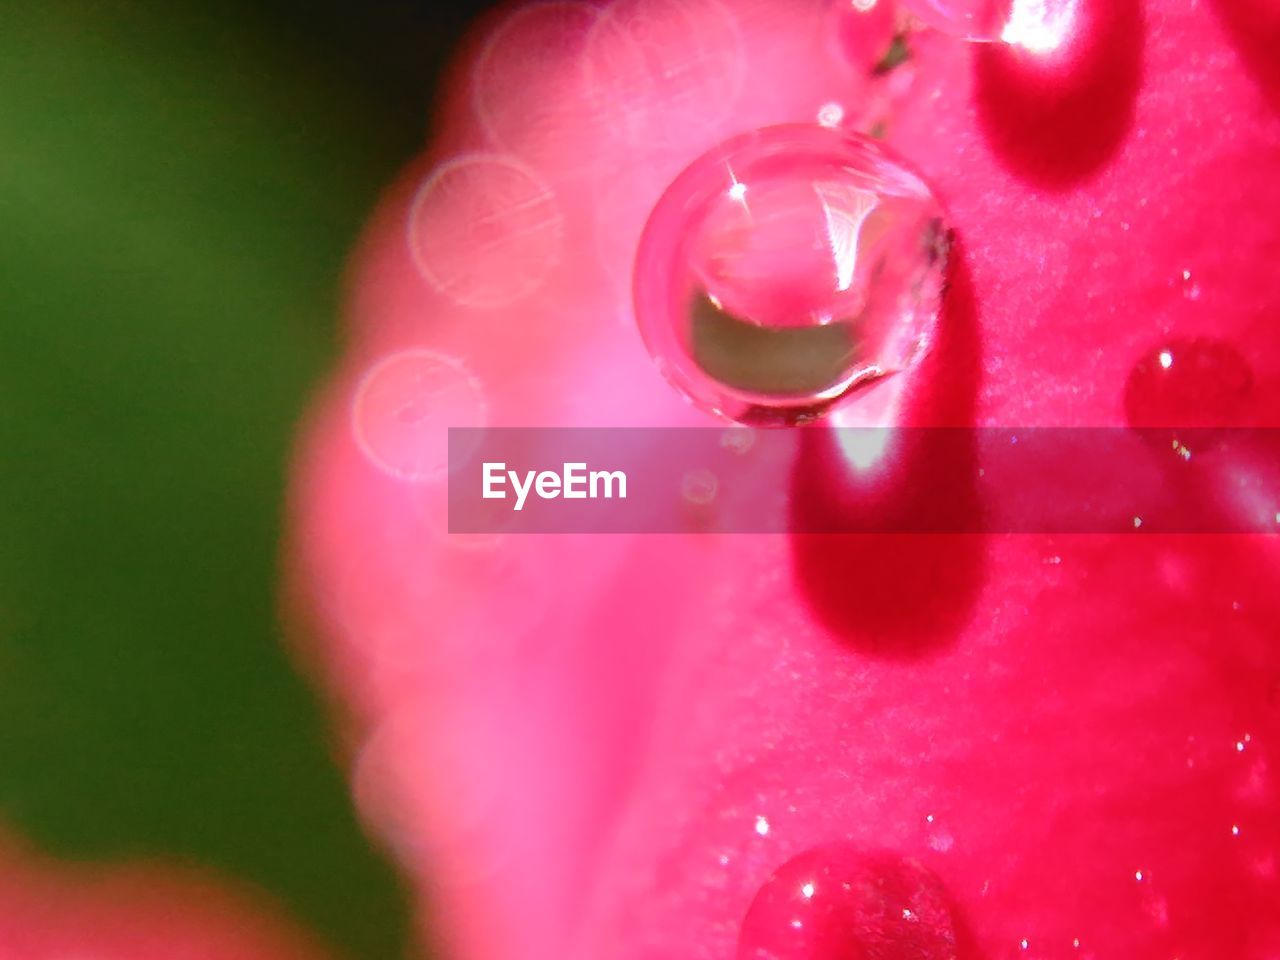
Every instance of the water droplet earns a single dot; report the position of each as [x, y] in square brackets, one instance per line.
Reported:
[1190, 383]
[404, 406]
[787, 267]
[835, 903]
[1190, 288]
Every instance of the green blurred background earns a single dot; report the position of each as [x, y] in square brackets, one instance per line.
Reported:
[178, 187]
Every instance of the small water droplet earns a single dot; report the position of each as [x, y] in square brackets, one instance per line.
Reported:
[836, 903]
[1190, 289]
[1189, 383]
[786, 268]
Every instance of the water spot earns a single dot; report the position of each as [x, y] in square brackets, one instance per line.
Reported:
[787, 268]
[485, 231]
[404, 406]
[1190, 288]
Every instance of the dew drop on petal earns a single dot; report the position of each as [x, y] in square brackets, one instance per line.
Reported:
[404, 406]
[1188, 383]
[786, 268]
[837, 903]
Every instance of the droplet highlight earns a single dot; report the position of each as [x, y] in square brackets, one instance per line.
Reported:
[786, 268]
[838, 903]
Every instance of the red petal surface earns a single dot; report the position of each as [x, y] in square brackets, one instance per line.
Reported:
[601, 748]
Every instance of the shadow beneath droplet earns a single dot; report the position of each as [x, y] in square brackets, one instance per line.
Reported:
[899, 595]
[1055, 117]
[1254, 28]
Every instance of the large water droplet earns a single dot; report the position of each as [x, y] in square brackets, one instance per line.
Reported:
[835, 903]
[787, 267]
